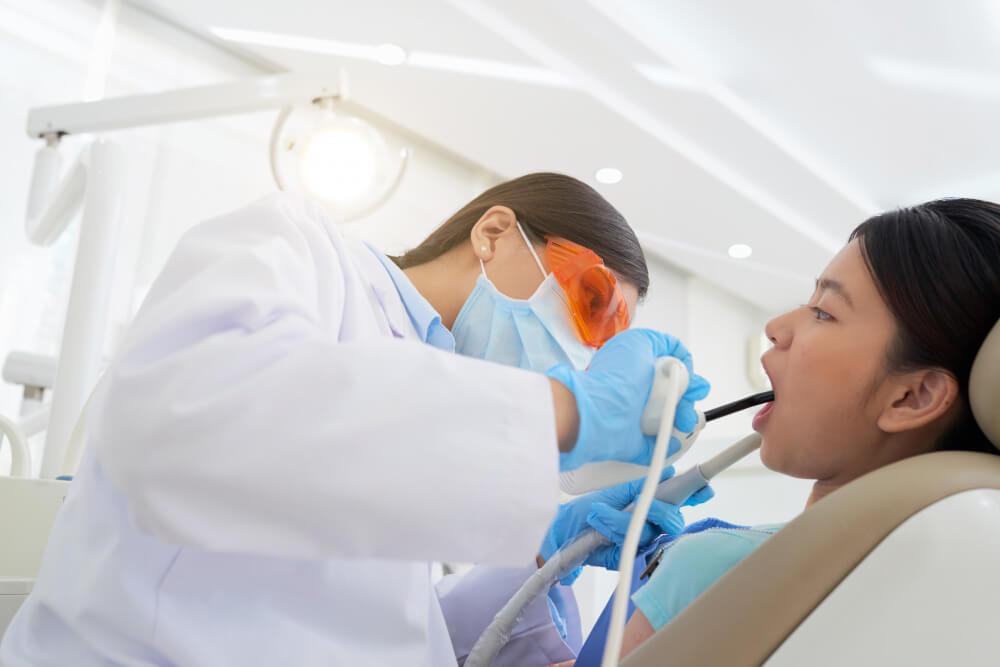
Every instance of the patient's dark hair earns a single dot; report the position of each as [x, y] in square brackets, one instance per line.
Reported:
[547, 205]
[937, 266]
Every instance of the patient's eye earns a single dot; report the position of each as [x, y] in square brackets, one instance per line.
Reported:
[820, 314]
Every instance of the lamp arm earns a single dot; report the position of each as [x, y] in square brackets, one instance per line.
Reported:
[54, 202]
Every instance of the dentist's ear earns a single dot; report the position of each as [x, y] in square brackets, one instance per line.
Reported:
[917, 399]
[497, 222]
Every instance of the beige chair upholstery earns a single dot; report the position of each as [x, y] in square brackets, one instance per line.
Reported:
[984, 386]
[750, 611]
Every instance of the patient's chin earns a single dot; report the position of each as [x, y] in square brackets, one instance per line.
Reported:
[791, 462]
[768, 456]
[775, 457]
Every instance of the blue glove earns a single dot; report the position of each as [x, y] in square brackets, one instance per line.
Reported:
[602, 511]
[612, 393]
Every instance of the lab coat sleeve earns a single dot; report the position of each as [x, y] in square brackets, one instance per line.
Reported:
[548, 631]
[247, 411]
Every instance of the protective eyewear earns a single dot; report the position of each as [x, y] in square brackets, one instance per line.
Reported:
[596, 302]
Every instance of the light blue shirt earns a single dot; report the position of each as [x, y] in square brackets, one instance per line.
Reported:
[425, 319]
[691, 565]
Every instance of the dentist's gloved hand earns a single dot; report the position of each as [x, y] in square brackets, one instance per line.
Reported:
[612, 393]
[603, 511]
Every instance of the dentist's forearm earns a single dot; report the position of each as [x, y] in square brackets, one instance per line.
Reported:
[567, 416]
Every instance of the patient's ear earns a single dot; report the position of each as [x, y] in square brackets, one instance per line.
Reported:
[917, 399]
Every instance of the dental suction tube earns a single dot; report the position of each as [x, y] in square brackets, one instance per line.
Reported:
[737, 406]
[679, 488]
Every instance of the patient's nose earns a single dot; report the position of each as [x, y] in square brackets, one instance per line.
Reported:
[780, 330]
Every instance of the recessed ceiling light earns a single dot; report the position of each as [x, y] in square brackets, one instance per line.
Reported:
[740, 251]
[608, 175]
[390, 54]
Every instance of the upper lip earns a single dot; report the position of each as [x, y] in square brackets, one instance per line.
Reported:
[767, 372]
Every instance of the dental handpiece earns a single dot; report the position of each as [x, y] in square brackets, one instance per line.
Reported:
[677, 489]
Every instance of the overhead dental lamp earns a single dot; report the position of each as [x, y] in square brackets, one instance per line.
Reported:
[336, 158]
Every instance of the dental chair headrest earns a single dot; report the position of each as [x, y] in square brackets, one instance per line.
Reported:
[984, 386]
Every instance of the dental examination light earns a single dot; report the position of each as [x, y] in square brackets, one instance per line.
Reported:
[670, 383]
[335, 157]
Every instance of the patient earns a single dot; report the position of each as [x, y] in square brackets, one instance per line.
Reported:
[874, 369]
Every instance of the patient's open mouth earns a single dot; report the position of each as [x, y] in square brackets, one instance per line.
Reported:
[761, 417]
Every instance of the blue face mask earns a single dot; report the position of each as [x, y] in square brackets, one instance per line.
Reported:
[535, 333]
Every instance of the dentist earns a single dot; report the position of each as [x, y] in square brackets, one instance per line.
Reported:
[286, 439]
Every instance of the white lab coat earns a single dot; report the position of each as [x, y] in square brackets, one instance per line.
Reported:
[273, 460]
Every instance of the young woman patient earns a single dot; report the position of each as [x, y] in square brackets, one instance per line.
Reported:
[874, 369]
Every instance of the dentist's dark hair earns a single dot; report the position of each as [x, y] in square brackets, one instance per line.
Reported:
[937, 267]
[547, 204]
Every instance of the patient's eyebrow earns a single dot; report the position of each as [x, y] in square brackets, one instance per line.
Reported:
[826, 284]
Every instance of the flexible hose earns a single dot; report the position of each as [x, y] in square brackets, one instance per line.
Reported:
[677, 383]
[498, 632]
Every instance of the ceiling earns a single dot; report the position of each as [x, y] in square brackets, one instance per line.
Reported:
[781, 124]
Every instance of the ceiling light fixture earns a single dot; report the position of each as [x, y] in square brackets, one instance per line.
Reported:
[390, 54]
[608, 175]
[740, 251]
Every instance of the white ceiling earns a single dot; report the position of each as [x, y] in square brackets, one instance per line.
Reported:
[777, 123]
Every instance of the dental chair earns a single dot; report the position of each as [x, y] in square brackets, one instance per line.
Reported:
[899, 567]
[28, 509]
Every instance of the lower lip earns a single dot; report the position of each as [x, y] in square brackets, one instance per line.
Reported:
[761, 418]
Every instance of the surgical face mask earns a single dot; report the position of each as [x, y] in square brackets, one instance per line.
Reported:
[535, 333]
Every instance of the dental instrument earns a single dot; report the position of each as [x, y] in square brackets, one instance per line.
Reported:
[670, 384]
[738, 406]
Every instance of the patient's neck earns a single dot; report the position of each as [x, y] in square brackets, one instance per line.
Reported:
[889, 449]
[820, 490]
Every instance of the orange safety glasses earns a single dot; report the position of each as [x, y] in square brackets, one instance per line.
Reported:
[596, 302]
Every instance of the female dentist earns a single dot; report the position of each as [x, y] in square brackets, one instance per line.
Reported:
[285, 439]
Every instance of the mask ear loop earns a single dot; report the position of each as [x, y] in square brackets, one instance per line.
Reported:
[531, 248]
